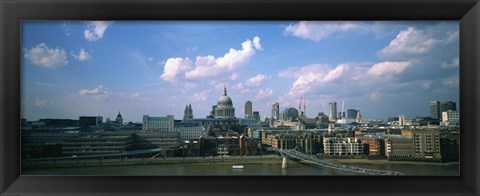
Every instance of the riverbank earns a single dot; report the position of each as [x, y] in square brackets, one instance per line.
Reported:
[387, 162]
[213, 160]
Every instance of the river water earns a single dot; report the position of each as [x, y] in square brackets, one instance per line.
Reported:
[193, 169]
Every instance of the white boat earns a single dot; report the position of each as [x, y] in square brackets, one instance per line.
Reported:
[237, 166]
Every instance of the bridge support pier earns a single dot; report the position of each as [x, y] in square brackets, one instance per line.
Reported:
[284, 162]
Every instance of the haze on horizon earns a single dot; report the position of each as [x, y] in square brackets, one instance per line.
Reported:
[384, 68]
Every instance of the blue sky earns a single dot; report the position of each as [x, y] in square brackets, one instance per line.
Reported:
[383, 68]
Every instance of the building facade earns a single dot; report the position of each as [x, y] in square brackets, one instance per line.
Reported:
[158, 123]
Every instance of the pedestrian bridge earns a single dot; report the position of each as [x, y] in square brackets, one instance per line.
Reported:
[291, 153]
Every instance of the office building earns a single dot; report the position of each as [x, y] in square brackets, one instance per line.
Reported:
[290, 114]
[158, 123]
[248, 108]
[437, 107]
[333, 111]
[275, 112]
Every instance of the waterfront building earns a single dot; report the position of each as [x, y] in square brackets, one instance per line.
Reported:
[342, 144]
[44, 143]
[333, 111]
[309, 142]
[248, 108]
[249, 145]
[427, 145]
[158, 123]
[376, 145]
[157, 139]
[189, 131]
[98, 143]
[398, 147]
[282, 140]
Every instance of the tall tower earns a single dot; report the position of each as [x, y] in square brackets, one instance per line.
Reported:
[276, 111]
[435, 109]
[248, 108]
[333, 111]
[187, 113]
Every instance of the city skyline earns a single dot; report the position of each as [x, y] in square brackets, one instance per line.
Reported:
[385, 69]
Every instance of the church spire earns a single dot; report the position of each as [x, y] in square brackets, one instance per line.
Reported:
[225, 90]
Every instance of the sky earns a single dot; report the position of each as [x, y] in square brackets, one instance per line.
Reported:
[383, 68]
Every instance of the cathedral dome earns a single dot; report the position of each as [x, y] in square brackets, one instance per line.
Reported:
[224, 100]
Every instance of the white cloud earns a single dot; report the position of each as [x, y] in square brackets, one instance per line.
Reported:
[175, 69]
[194, 48]
[95, 30]
[374, 96]
[234, 76]
[207, 67]
[98, 93]
[452, 81]
[454, 63]
[256, 81]
[318, 30]
[41, 102]
[388, 68]
[66, 28]
[409, 42]
[82, 55]
[201, 96]
[256, 43]
[426, 84]
[263, 93]
[47, 57]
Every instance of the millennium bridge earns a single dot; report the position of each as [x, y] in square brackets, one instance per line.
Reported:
[294, 154]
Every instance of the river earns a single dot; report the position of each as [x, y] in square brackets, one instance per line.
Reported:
[269, 167]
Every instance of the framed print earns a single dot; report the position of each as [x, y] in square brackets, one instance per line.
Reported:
[241, 97]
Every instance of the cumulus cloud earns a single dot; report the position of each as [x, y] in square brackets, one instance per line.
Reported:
[451, 81]
[177, 69]
[318, 30]
[47, 57]
[374, 96]
[98, 93]
[201, 96]
[409, 42]
[388, 68]
[454, 63]
[95, 30]
[82, 55]
[256, 81]
[263, 93]
[41, 102]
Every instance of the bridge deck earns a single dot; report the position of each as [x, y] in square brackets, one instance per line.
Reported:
[324, 163]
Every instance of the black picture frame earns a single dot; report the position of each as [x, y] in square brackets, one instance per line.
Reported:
[14, 11]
